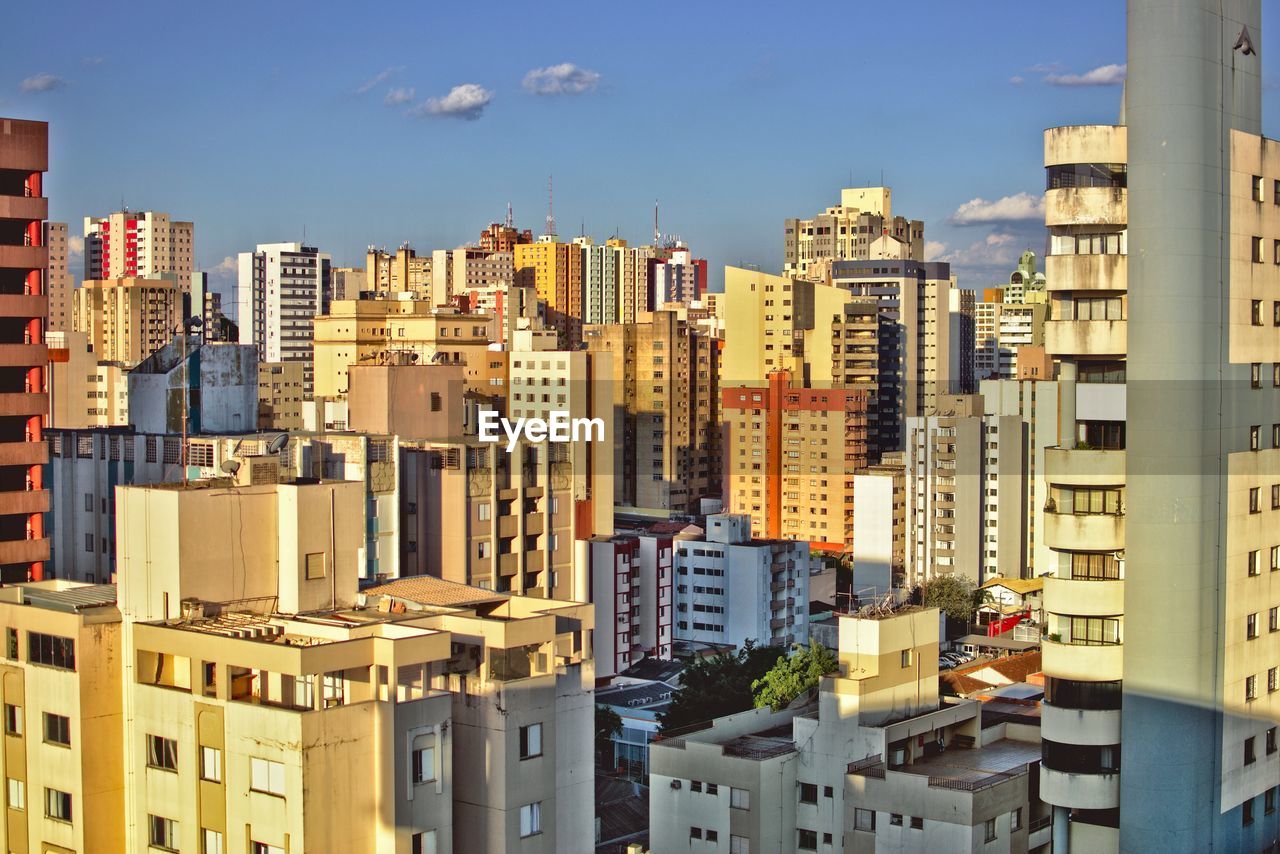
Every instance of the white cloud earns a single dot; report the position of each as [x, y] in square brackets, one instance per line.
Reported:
[933, 249]
[563, 79]
[1020, 206]
[463, 102]
[378, 78]
[1017, 80]
[1103, 75]
[1045, 67]
[93, 60]
[399, 95]
[43, 82]
[998, 249]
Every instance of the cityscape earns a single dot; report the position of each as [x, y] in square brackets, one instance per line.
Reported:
[321, 538]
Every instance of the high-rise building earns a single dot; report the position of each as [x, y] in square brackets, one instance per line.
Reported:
[790, 456]
[188, 386]
[280, 396]
[680, 278]
[281, 289]
[61, 281]
[500, 237]
[24, 262]
[137, 244]
[880, 520]
[849, 231]
[348, 282]
[666, 388]
[554, 270]
[962, 341]
[126, 320]
[600, 281]
[1008, 319]
[84, 392]
[396, 273]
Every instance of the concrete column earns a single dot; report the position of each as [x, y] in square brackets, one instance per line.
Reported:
[1061, 830]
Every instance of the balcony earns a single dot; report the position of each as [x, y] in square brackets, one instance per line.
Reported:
[1087, 272]
[1088, 662]
[19, 403]
[24, 207]
[1095, 337]
[1084, 468]
[24, 257]
[23, 305]
[1080, 726]
[1083, 598]
[23, 551]
[23, 355]
[1079, 791]
[23, 453]
[24, 502]
[1085, 144]
[1086, 206]
[1084, 531]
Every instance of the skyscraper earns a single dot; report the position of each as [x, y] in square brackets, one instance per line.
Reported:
[281, 288]
[137, 243]
[24, 158]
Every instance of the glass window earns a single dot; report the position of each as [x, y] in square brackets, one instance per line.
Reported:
[57, 729]
[739, 799]
[424, 765]
[57, 805]
[12, 719]
[211, 764]
[162, 753]
[990, 830]
[164, 833]
[17, 795]
[864, 820]
[531, 819]
[210, 841]
[51, 650]
[266, 776]
[530, 741]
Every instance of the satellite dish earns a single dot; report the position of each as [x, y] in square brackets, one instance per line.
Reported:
[277, 444]
[230, 466]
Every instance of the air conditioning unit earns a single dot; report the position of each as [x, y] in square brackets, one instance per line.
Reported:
[675, 784]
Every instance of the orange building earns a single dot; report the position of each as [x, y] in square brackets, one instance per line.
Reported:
[555, 271]
[790, 457]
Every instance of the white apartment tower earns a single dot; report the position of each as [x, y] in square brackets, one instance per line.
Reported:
[137, 244]
[281, 289]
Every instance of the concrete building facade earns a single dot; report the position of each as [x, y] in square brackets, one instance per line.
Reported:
[137, 244]
[280, 290]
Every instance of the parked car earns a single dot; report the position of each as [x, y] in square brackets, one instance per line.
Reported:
[945, 663]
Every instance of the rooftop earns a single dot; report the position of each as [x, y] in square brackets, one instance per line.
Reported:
[1021, 586]
[69, 596]
[651, 695]
[977, 767]
[765, 744]
[429, 590]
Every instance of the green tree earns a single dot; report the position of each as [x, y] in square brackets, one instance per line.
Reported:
[608, 724]
[721, 685]
[794, 674]
[954, 595]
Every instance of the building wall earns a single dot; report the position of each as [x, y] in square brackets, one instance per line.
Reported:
[60, 280]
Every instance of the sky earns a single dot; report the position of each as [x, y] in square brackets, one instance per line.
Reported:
[378, 123]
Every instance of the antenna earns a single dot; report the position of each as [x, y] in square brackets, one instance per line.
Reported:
[551, 214]
[510, 220]
[657, 237]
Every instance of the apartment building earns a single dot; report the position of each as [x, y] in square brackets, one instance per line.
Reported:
[877, 761]
[60, 278]
[848, 231]
[731, 588]
[962, 340]
[137, 244]
[87, 466]
[632, 589]
[401, 272]
[666, 388]
[374, 331]
[281, 289]
[791, 454]
[679, 278]
[24, 262]
[916, 296]
[554, 270]
[379, 704]
[63, 718]
[128, 319]
[469, 271]
[503, 237]
[880, 520]
[84, 392]
[280, 396]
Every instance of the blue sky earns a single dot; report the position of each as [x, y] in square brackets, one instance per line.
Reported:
[257, 120]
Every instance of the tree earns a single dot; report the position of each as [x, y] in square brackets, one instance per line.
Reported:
[954, 595]
[721, 685]
[608, 724]
[792, 675]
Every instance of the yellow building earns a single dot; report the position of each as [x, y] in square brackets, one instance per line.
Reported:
[401, 272]
[60, 680]
[555, 270]
[280, 395]
[364, 331]
[128, 319]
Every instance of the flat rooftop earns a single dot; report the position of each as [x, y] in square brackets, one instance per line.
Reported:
[429, 590]
[1005, 757]
[69, 596]
[765, 744]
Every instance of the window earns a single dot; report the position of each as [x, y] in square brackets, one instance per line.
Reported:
[895, 819]
[424, 764]
[1255, 433]
[210, 841]
[1255, 375]
[1275, 496]
[695, 785]
[864, 820]
[1255, 499]
[1257, 250]
[1271, 739]
[1257, 188]
[907, 657]
[1250, 689]
[57, 805]
[267, 776]
[1251, 626]
[530, 819]
[164, 833]
[808, 793]
[11, 649]
[315, 566]
[51, 650]
[1273, 619]
[1246, 812]
[917, 822]
[713, 836]
[1255, 307]
[808, 840]
[12, 719]
[264, 848]
[211, 764]
[990, 830]
[1269, 801]
[695, 832]
[739, 799]
[484, 512]
[17, 797]
[162, 753]
[423, 842]
[1250, 751]
[739, 845]
[57, 729]
[1015, 819]
[713, 788]
[1255, 562]
[530, 741]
